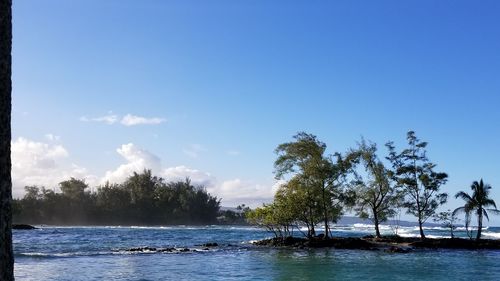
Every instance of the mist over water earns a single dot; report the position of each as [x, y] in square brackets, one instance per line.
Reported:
[101, 253]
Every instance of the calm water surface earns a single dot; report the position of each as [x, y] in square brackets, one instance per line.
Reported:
[99, 253]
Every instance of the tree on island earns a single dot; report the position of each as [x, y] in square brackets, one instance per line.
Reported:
[297, 205]
[315, 177]
[265, 217]
[479, 201]
[6, 253]
[376, 196]
[447, 219]
[415, 174]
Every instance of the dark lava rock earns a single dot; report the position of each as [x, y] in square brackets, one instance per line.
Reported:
[457, 243]
[393, 244]
[142, 249]
[340, 243]
[210, 245]
[184, 250]
[395, 239]
[169, 250]
[23, 226]
[352, 243]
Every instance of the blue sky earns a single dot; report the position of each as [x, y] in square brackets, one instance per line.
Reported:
[208, 89]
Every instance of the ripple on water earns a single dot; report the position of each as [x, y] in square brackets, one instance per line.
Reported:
[99, 253]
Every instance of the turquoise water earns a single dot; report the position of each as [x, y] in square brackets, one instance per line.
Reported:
[99, 253]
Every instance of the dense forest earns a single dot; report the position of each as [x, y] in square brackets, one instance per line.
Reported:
[143, 199]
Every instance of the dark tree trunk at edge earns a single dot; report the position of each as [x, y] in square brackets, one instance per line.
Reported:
[376, 222]
[6, 255]
[479, 223]
[325, 214]
[420, 226]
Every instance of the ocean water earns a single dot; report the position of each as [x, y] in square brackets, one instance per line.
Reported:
[100, 253]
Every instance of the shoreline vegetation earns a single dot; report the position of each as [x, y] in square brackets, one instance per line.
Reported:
[143, 199]
[317, 189]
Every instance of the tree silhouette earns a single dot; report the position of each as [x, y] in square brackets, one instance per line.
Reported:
[415, 174]
[6, 255]
[479, 201]
[376, 195]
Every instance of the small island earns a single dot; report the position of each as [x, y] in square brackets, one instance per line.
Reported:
[393, 244]
[318, 189]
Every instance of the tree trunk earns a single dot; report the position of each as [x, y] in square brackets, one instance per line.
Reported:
[325, 212]
[422, 235]
[420, 223]
[479, 223]
[327, 234]
[311, 218]
[6, 255]
[376, 222]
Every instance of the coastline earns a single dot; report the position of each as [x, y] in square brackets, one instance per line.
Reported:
[387, 243]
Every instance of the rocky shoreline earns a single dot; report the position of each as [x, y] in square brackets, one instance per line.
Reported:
[203, 247]
[389, 244]
[23, 226]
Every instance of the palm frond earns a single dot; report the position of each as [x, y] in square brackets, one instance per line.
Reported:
[494, 211]
[463, 195]
[459, 210]
[489, 202]
[485, 214]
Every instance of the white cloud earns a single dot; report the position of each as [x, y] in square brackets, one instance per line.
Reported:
[37, 163]
[236, 191]
[194, 150]
[109, 119]
[132, 120]
[197, 177]
[137, 160]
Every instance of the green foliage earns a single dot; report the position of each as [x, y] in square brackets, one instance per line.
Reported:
[479, 202]
[272, 218]
[377, 196]
[414, 173]
[447, 219]
[264, 217]
[238, 217]
[143, 199]
[73, 188]
[313, 192]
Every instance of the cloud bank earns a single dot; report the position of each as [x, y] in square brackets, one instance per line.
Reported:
[47, 164]
[137, 160]
[37, 163]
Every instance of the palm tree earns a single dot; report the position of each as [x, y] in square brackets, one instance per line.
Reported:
[478, 202]
[6, 257]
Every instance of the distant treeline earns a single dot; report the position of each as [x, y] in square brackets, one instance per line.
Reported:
[143, 199]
